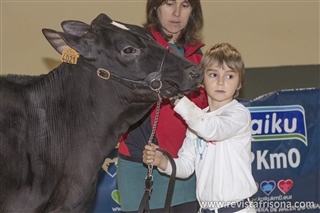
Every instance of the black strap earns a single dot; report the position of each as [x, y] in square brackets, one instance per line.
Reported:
[144, 204]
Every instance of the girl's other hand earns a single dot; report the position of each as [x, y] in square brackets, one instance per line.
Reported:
[149, 154]
[154, 157]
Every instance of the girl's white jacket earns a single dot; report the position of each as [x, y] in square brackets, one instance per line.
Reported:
[224, 170]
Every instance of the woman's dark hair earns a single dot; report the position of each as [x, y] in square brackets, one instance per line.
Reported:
[191, 34]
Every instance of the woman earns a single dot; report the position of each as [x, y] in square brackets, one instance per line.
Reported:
[176, 24]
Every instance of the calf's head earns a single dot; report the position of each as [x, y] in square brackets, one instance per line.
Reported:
[128, 55]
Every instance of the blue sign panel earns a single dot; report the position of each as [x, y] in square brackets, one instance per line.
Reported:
[286, 150]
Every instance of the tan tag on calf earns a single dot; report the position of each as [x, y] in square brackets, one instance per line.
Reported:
[70, 56]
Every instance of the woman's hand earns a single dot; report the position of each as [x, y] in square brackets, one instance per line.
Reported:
[154, 157]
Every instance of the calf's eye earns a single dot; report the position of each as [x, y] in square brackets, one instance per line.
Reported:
[129, 50]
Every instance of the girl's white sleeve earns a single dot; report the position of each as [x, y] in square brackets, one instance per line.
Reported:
[186, 158]
[211, 126]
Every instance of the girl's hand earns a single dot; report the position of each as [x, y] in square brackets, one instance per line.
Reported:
[154, 157]
[149, 154]
[175, 99]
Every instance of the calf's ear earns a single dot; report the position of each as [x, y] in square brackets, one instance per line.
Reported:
[60, 41]
[55, 39]
[73, 27]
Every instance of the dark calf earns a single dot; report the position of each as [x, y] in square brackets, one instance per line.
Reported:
[56, 129]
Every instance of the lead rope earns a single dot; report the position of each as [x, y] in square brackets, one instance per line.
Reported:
[144, 204]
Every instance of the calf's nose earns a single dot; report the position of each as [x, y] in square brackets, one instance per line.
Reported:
[194, 75]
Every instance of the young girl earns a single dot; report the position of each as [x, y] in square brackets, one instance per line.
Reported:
[218, 142]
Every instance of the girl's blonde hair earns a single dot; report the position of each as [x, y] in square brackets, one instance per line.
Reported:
[224, 52]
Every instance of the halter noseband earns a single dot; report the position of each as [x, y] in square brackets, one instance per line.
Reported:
[152, 80]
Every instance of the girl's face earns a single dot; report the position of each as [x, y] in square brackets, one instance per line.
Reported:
[220, 83]
[174, 15]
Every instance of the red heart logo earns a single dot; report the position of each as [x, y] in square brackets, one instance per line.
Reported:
[285, 185]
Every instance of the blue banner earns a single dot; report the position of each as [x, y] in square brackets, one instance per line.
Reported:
[286, 150]
[285, 153]
[107, 199]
